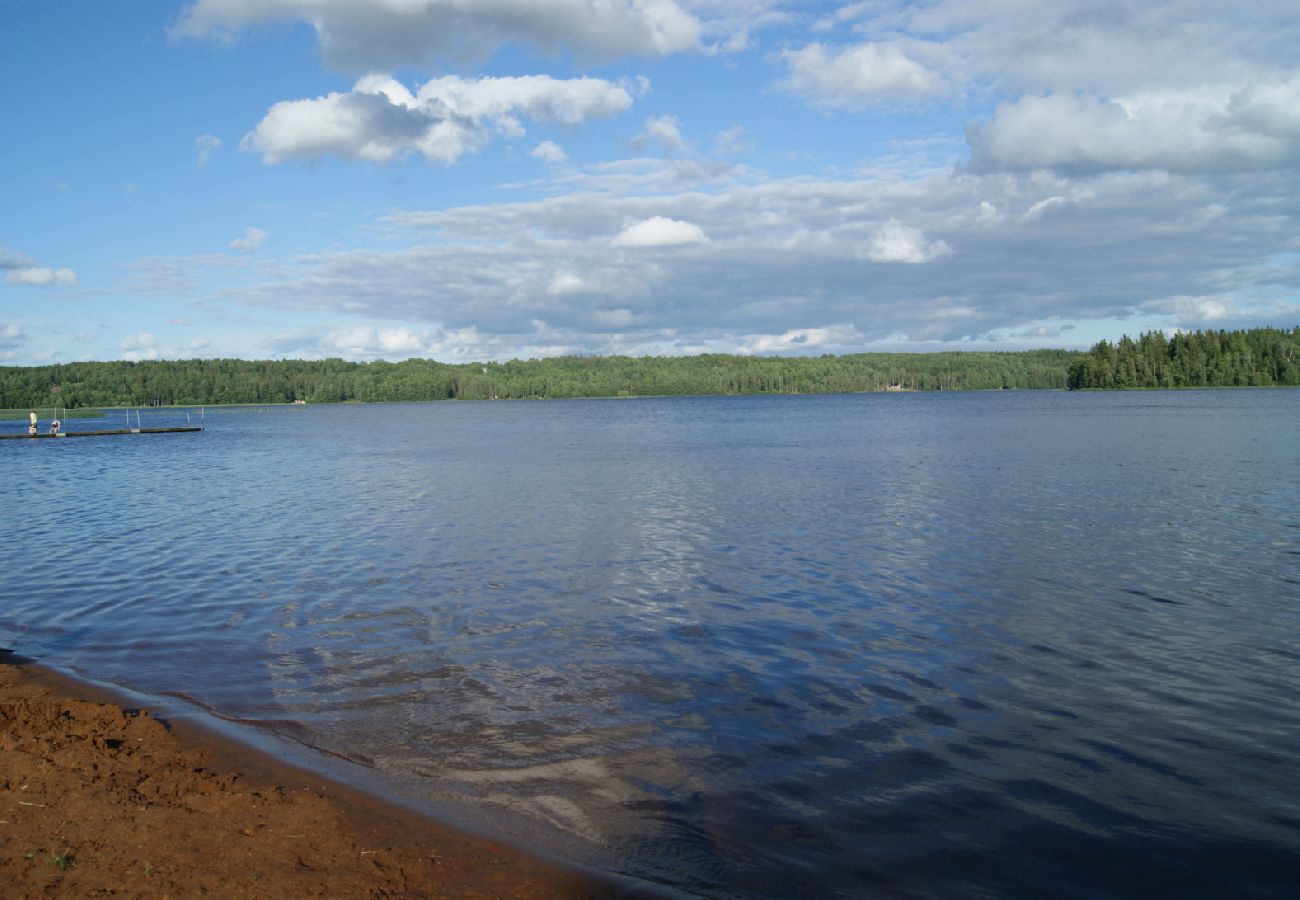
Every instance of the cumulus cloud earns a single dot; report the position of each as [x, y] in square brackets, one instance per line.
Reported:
[207, 144]
[1081, 87]
[39, 276]
[785, 256]
[856, 77]
[365, 341]
[11, 339]
[661, 133]
[139, 347]
[550, 152]
[1111, 49]
[19, 269]
[895, 242]
[659, 231]
[10, 259]
[566, 282]
[370, 342]
[1043, 332]
[380, 120]
[1191, 313]
[733, 141]
[1252, 129]
[251, 240]
[1133, 163]
[1043, 206]
[386, 34]
[828, 339]
[1078, 87]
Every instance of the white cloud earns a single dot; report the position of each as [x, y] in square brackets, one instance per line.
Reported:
[895, 242]
[39, 276]
[380, 120]
[251, 240]
[10, 259]
[856, 77]
[566, 282]
[1266, 108]
[661, 133]
[1080, 87]
[19, 269]
[659, 231]
[1252, 129]
[1043, 332]
[386, 34]
[207, 144]
[786, 256]
[139, 347]
[550, 152]
[831, 338]
[11, 339]
[1043, 206]
[1077, 86]
[733, 141]
[1110, 49]
[365, 341]
[142, 341]
[786, 253]
[369, 342]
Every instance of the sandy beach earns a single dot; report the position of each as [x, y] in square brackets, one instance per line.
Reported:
[97, 799]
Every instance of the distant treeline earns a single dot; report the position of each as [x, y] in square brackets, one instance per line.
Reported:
[1259, 357]
[1264, 356]
[213, 381]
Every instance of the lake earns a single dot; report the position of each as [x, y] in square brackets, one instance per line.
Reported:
[1008, 644]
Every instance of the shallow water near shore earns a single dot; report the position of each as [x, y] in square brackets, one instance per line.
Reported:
[1003, 644]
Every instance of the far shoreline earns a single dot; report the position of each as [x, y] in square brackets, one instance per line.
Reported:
[90, 411]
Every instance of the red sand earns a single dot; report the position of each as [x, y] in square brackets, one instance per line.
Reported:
[98, 800]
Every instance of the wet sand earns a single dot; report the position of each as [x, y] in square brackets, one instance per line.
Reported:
[97, 799]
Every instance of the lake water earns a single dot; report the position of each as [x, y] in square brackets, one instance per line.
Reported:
[936, 645]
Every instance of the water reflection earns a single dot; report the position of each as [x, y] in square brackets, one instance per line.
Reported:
[751, 646]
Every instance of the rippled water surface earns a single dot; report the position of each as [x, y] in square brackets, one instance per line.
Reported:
[1004, 644]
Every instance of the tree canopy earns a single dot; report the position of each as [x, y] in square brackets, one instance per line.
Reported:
[1262, 356]
[213, 381]
[1258, 357]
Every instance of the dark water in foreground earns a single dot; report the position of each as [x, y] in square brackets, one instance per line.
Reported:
[1016, 644]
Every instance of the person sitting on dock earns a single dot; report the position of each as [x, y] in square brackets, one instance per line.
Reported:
[31, 420]
[54, 426]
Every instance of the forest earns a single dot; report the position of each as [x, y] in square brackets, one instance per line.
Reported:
[1259, 357]
[213, 381]
[1263, 356]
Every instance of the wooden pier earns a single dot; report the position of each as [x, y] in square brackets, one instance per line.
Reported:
[68, 434]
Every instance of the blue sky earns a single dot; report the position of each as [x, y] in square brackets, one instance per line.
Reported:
[507, 178]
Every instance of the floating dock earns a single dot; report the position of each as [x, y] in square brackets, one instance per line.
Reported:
[68, 434]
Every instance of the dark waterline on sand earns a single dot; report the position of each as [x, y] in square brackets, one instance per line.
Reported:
[1006, 644]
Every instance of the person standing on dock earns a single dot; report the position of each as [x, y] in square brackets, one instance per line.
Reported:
[31, 422]
[54, 426]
